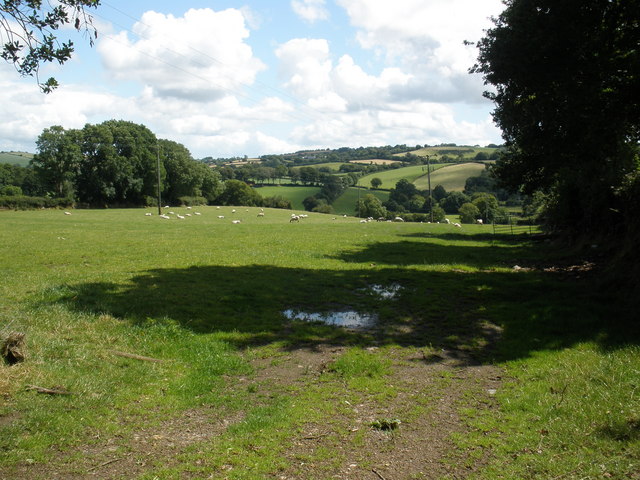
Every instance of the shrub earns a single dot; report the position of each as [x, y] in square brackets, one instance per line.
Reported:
[468, 213]
[192, 201]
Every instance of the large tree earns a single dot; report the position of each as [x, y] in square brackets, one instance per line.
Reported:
[29, 33]
[566, 77]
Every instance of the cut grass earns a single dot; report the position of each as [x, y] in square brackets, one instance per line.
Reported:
[206, 298]
[451, 177]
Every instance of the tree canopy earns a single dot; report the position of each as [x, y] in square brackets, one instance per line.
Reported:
[565, 78]
[29, 33]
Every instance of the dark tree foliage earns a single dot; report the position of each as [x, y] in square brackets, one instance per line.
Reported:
[566, 77]
[29, 33]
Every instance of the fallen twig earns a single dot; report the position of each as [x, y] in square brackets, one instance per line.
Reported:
[104, 464]
[136, 357]
[48, 391]
[378, 474]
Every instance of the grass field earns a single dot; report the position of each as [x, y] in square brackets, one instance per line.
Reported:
[173, 354]
[346, 203]
[19, 158]
[451, 177]
[391, 177]
[295, 194]
[468, 152]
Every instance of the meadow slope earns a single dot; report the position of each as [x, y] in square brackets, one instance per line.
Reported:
[193, 348]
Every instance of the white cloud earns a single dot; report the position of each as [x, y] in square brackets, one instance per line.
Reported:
[305, 65]
[200, 56]
[310, 10]
[426, 39]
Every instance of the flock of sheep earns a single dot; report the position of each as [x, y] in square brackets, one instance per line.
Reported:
[295, 217]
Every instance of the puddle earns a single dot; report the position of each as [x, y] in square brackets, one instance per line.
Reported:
[386, 293]
[349, 319]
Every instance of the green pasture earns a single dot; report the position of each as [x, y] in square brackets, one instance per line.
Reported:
[201, 302]
[451, 177]
[294, 193]
[469, 152]
[19, 158]
[391, 177]
[346, 203]
[333, 166]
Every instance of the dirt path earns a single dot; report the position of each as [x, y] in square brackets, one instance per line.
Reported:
[431, 390]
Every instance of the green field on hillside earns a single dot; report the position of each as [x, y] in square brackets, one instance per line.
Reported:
[467, 152]
[451, 177]
[391, 177]
[346, 203]
[195, 347]
[295, 194]
[19, 158]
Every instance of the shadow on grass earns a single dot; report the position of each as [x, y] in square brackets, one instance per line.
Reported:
[451, 310]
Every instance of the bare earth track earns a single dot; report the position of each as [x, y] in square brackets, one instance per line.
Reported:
[431, 391]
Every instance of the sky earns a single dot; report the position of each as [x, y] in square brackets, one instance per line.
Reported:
[233, 78]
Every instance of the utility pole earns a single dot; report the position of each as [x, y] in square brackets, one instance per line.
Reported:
[429, 183]
[158, 168]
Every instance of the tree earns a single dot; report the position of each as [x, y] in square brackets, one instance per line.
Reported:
[376, 182]
[239, 193]
[566, 77]
[370, 206]
[58, 159]
[453, 201]
[29, 33]
[468, 213]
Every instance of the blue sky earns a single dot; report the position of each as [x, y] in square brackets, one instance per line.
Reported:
[250, 78]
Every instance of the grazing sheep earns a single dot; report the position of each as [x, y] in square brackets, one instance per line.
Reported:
[233, 211]
[180, 217]
[218, 208]
[147, 214]
[197, 213]
[188, 208]
[363, 221]
[479, 221]
[398, 219]
[260, 214]
[457, 225]
[446, 220]
[294, 218]
[381, 219]
[67, 213]
[166, 217]
[220, 216]
[187, 214]
[235, 221]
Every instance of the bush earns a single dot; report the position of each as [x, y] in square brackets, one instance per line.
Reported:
[469, 213]
[192, 201]
[277, 202]
[10, 191]
[23, 202]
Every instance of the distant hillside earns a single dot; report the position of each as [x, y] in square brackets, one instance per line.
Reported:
[19, 158]
[451, 177]
[455, 153]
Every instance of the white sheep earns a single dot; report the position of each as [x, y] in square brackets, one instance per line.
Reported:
[180, 217]
[220, 216]
[294, 218]
[398, 219]
[67, 213]
[479, 221]
[260, 214]
[147, 214]
[446, 220]
[235, 221]
[233, 211]
[166, 217]
[197, 213]
[457, 225]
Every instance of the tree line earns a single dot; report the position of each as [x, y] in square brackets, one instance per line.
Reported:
[118, 163]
